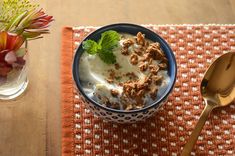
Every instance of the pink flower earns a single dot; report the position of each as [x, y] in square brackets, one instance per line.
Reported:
[40, 20]
[36, 24]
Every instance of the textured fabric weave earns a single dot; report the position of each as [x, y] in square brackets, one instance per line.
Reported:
[195, 47]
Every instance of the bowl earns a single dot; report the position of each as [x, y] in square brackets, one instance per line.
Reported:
[123, 116]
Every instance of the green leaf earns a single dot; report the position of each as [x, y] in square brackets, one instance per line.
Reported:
[104, 47]
[90, 46]
[11, 8]
[108, 57]
[109, 40]
[30, 35]
[25, 22]
[21, 52]
[15, 21]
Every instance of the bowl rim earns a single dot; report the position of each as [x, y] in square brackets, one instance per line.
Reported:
[75, 71]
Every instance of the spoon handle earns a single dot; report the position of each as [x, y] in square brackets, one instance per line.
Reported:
[196, 132]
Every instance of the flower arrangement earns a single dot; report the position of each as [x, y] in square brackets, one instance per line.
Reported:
[20, 21]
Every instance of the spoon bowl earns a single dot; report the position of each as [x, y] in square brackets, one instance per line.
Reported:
[217, 89]
[218, 83]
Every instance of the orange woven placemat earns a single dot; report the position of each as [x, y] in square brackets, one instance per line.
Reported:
[195, 47]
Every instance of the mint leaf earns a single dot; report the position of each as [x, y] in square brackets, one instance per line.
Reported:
[109, 40]
[108, 57]
[90, 46]
[104, 47]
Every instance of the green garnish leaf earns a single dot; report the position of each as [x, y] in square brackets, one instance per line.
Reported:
[104, 47]
[109, 40]
[108, 57]
[91, 47]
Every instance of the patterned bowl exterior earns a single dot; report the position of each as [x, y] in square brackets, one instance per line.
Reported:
[121, 116]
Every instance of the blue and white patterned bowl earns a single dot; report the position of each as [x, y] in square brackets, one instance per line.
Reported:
[122, 116]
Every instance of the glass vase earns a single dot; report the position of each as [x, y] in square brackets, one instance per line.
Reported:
[16, 81]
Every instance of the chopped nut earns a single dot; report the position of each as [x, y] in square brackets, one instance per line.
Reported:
[139, 106]
[134, 59]
[155, 51]
[129, 107]
[156, 79]
[115, 105]
[154, 69]
[164, 59]
[140, 93]
[148, 79]
[163, 65]
[146, 44]
[117, 66]
[124, 99]
[126, 89]
[143, 66]
[120, 84]
[140, 38]
[111, 74]
[109, 80]
[125, 51]
[142, 86]
[133, 92]
[142, 49]
[97, 95]
[138, 52]
[128, 43]
[106, 101]
[150, 61]
[153, 93]
[157, 44]
[135, 86]
[114, 93]
[146, 57]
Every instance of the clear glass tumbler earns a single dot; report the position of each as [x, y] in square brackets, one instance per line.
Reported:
[16, 81]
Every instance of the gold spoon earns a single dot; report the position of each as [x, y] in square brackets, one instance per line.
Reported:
[217, 89]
